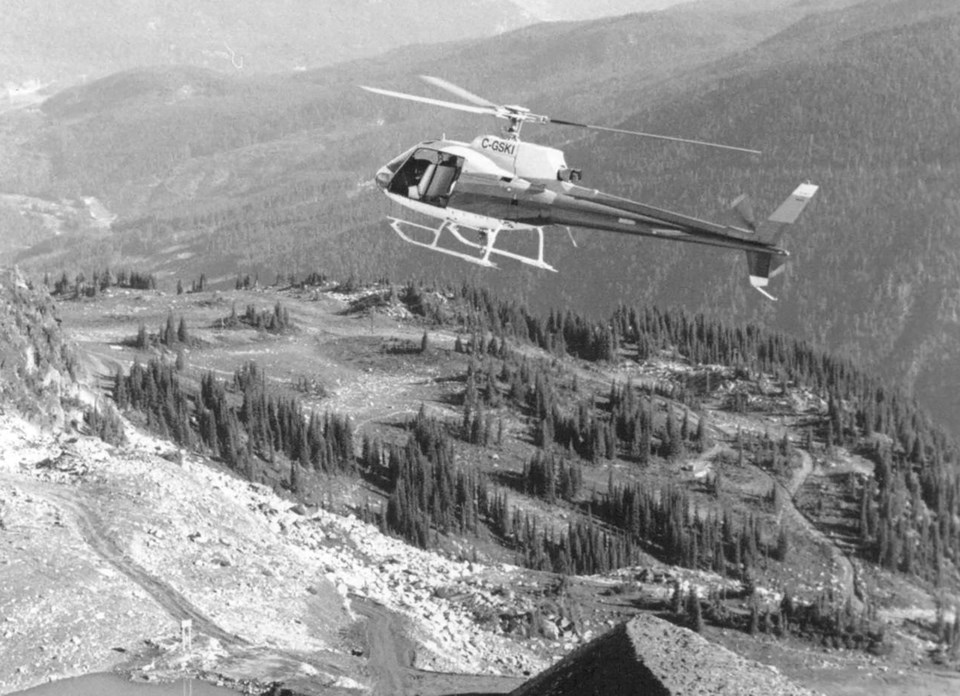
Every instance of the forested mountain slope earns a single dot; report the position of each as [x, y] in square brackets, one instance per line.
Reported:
[860, 100]
[75, 42]
[68, 41]
[873, 122]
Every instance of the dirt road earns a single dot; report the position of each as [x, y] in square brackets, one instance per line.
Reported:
[847, 575]
[390, 655]
[389, 652]
[81, 511]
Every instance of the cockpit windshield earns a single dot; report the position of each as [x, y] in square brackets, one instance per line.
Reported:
[427, 175]
[394, 164]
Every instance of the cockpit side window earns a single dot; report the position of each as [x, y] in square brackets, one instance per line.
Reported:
[428, 175]
[408, 176]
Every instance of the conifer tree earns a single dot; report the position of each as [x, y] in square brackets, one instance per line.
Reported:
[783, 544]
[676, 598]
[694, 612]
[702, 440]
[182, 334]
[141, 341]
[168, 335]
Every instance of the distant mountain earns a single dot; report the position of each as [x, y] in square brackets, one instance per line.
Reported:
[573, 10]
[69, 42]
[858, 98]
[64, 41]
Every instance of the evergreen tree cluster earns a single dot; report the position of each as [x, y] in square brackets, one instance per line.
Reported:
[561, 334]
[835, 623]
[632, 424]
[276, 320]
[155, 392]
[104, 421]
[100, 281]
[431, 495]
[264, 430]
[428, 491]
[278, 425]
[824, 619]
[948, 633]
[246, 282]
[546, 477]
[196, 285]
[171, 334]
[662, 522]
[584, 549]
[914, 509]
[769, 453]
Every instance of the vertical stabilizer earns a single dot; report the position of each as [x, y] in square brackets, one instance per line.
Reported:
[764, 265]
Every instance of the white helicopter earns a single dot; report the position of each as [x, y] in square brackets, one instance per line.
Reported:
[500, 183]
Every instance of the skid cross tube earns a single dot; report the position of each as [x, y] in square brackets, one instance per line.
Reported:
[487, 248]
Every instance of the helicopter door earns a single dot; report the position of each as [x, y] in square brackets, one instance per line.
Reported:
[428, 176]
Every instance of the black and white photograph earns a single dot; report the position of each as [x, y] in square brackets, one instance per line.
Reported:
[479, 347]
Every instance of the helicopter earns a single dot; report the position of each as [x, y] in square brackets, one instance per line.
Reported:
[500, 184]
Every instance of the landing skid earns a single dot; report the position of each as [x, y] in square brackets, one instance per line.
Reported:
[485, 248]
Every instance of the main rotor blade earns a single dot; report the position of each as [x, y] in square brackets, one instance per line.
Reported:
[487, 111]
[652, 135]
[457, 90]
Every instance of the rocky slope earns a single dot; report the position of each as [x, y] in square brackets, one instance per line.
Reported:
[117, 546]
[38, 368]
[651, 656]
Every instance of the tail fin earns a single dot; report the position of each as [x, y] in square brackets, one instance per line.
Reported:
[764, 265]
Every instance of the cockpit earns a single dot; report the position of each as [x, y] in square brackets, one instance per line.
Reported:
[422, 174]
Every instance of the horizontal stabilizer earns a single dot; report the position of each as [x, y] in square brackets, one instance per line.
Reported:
[790, 209]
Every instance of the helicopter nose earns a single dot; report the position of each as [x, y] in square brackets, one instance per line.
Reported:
[383, 177]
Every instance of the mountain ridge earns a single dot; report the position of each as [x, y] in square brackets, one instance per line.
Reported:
[63, 44]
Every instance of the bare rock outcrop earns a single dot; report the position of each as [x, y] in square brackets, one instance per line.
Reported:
[653, 657]
[38, 367]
